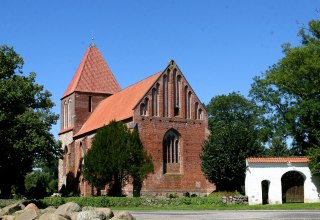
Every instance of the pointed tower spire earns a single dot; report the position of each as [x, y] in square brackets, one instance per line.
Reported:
[93, 75]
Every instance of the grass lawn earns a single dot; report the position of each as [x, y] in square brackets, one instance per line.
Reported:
[289, 206]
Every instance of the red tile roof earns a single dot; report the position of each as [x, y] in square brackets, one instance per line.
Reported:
[93, 75]
[65, 130]
[118, 106]
[278, 159]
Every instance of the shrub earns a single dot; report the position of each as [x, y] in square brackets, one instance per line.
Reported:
[105, 201]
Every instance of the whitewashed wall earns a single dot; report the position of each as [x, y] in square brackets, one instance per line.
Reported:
[257, 172]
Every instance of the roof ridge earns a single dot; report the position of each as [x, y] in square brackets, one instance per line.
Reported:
[139, 81]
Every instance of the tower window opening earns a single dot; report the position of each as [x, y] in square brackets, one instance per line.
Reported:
[90, 104]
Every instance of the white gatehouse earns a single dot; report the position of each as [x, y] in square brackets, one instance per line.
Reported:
[280, 180]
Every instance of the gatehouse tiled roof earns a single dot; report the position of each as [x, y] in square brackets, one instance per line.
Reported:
[278, 159]
[93, 75]
[118, 106]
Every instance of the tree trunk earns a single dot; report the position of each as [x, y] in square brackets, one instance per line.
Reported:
[116, 186]
[137, 185]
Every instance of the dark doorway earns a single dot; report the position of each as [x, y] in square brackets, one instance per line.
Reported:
[265, 191]
[292, 187]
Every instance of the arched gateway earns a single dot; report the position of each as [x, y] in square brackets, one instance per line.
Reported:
[292, 184]
[280, 180]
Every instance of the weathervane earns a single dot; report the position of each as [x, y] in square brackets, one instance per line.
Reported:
[92, 40]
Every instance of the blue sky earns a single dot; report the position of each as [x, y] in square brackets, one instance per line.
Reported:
[219, 45]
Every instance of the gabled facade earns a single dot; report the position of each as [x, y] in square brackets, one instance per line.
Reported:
[171, 120]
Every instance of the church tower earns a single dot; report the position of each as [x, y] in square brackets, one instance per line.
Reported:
[92, 83]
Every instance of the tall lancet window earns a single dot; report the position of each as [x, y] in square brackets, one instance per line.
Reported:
[155, 101]
[144, 107]
[196, 113]
[176, 92]
[171, 152]
[65, 114]
[200, 113]
[189, 104]
[89, 103]
[165, 95]
[186, 101]
[69, 113]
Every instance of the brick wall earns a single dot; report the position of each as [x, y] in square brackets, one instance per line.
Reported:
[82, 112]
[185, 176]
[176, 112]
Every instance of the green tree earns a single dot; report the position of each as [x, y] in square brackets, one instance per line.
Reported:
[25, 123]
[234, 126]
[116, 154]
[289, 91]
[36, 184]
[41, 182]
[140, 163]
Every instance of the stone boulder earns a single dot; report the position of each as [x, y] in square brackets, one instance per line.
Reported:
[91, 214]
[29, 214]
[49, 209]
[32, 206]
[101, 213]
[123, 216]
[8, 217]
[10, 209]
[108, 212]
[51, 216]
[68, 209]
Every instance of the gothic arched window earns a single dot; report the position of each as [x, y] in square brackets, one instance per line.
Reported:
[165, 95]
[189, 104]
[186, 101]
[65, 114]
[200, 113]
[196, 106]
[171, 152]
[176, 92]
[155, 101]
[69, 113]
[144, 107]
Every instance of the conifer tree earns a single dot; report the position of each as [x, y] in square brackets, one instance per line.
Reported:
[115, 156]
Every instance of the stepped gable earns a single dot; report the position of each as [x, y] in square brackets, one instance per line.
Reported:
[118, 106]
[93, 75]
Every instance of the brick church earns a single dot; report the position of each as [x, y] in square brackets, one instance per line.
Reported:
[171, 120]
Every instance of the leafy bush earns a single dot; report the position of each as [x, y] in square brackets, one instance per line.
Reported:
[105, 201]
[36, 184]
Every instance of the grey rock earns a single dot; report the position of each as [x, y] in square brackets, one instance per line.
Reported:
[91, 214]
[10, 209]
[8, 217]
[67, 209]
[73, 215]
[51, 216]
[49, 209]
[108, 212]
[28, 214]
[123, 216]
[32, 206]
[87, 208]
